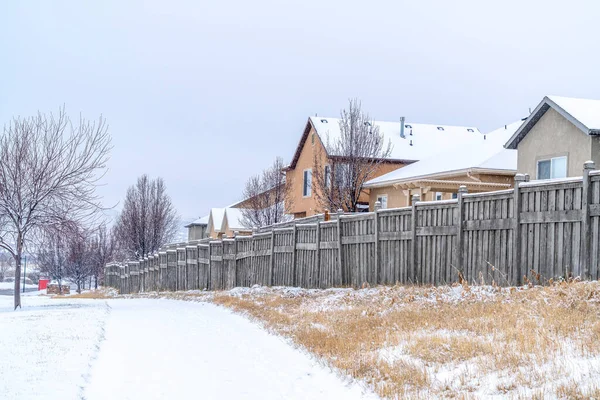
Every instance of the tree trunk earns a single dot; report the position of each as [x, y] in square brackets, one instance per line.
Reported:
[78, 286]
[17, 295]
[96, 281]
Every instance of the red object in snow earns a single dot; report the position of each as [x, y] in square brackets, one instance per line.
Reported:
[43, 283]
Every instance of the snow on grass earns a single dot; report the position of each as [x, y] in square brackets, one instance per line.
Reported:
[11, 286]
[450, 341]
[47, 347]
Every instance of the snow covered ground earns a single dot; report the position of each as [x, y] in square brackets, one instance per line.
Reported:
[151, 349]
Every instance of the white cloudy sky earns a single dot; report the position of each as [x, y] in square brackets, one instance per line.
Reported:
[206, 93]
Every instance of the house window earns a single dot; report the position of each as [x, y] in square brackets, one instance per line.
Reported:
[552, 168]
[307, 183]
[327, 177]
[455, 195]
[382, 199]
[438, 195]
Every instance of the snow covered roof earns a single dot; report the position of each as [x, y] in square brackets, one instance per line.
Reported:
[235, 219]
[199, 221]
[484, 153]
[419, 141]
[583, 113]
[215, 219]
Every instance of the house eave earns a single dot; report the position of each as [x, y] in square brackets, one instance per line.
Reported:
[445, 174]
[537, 114]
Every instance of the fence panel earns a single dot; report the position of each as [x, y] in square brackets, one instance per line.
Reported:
[595, 227]
[330, 273]
[395, 237]
[203, 266]
[181, 269]
[551, 230]
[260, 270]
[216, 265]
[243, 260]
[283, 253]
[229, 264]
[358, 249]
[191, 259]
[488, 239]
[307, 264]
[171, 282]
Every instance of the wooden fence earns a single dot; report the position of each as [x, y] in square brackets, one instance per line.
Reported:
[538, 231]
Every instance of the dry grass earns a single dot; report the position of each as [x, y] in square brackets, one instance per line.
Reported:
[102, 293]
[455, 342]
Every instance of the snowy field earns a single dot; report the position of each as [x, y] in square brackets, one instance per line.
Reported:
[151, 349]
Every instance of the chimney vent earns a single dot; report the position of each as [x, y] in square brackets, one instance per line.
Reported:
[402, 127]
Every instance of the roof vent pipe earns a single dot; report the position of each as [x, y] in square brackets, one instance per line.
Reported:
[402, 127]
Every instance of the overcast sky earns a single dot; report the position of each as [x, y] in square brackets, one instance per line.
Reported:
[205, 94]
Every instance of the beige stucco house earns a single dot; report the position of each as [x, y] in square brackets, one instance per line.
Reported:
[410, 142]
[559, 136]
[226, 222]
[482, 165]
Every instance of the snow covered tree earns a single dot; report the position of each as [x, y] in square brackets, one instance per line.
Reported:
[49, 168]
[148, 219]
[349, 161]
[265, 196]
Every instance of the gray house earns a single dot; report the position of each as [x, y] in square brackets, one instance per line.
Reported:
[197, 229]
[558, 137]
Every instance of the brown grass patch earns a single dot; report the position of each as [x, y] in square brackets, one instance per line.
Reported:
[447, 341]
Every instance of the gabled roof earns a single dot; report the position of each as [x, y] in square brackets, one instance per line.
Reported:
[215, 219]
[419, 141]
[234, 219]
[583, 113]
[199, 221]
[485, 154]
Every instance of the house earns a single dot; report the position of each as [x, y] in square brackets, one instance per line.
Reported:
[225, 222]
[198, 228]
[215, 222]
[482, 165]
[559, 136]
[410, 142]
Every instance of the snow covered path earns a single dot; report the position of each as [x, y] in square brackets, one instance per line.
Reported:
[165, 349]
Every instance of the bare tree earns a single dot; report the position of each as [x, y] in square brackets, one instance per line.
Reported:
[52, 252]
[103, 249]
[6, 264]
[49, 168]
[349, 160]
[266, 197]
[79, 262]
[148, 219]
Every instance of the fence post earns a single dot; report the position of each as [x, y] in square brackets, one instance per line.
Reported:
[516, 276]
[209, 282]
[295, 234]
[339, 237]
[316, 281]
[586, 199]
[460, 231]
[376, 229]
[413, 244]
[272, 258]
